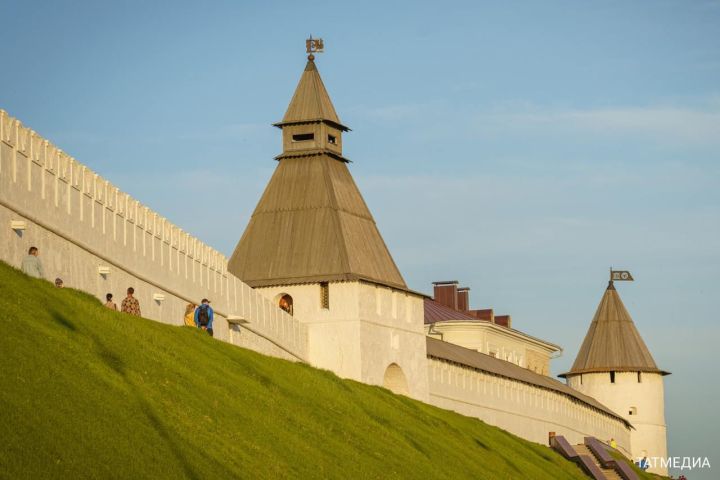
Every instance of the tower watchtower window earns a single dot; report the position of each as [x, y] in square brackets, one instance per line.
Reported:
[303, 137]
[286, 303]
[324, 295]
[332, 139]
[612, 377]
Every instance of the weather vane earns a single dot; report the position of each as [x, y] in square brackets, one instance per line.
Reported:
[620, 275]
[313, 45]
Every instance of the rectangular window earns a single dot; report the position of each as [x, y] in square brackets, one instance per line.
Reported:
[332, 140]
[639, 377]
[612, 377]
[301, 137]
[324, 295]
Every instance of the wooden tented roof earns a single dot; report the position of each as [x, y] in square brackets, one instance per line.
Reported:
[311, 101]
[312, 224]
[612, 342]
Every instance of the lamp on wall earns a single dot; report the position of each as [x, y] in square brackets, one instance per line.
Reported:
[158, 297]
[236, 320]
[104, 270]
[19, 226]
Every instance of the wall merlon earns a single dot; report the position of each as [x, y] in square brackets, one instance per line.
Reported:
[23, 139]
[37, 149]
[102, 225]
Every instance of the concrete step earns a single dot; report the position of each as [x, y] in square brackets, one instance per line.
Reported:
[609, 473]
[584, 450]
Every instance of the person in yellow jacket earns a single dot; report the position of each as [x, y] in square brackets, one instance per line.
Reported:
[190, 315]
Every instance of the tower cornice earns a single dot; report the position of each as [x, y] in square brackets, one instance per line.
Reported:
[339, 126]
[311, 153]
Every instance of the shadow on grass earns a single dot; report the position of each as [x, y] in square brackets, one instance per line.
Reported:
[166, 435]
[108, 356]
[116, 364]
[418, 446]
[512, 465]
[63, 321]
[481, 444]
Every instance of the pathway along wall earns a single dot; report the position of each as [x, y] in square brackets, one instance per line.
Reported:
[84, 225]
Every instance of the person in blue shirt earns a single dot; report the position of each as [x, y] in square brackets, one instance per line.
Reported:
[204, 316]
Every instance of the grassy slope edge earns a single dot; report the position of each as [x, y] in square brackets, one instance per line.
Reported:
[90, 393]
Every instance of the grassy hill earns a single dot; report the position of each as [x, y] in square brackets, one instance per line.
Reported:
[90, 393]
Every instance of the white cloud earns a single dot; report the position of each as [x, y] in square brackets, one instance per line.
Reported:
[395, 113]
[665, 124]
[227, 132]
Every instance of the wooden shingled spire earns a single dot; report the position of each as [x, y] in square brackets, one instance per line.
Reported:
[311, 223]
[311, 101]
[612, 342]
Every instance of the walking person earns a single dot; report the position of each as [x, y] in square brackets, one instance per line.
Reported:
[190, 315]
[130, 304]
[31, 264]
[109, 303]
[204, 316]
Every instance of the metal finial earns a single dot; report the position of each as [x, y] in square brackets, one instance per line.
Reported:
[313, 45]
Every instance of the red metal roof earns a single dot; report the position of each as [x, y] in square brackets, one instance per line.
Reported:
[437, 312]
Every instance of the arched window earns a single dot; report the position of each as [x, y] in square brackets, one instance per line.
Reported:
[395, 380]
[286, 303]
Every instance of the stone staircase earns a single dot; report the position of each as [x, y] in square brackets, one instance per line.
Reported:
[593, 458]
[610, 473]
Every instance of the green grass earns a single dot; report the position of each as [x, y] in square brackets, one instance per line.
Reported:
[90, 393]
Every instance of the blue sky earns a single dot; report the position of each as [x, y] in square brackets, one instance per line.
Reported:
[519, 147]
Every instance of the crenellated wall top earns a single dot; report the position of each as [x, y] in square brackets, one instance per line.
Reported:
[78, 176]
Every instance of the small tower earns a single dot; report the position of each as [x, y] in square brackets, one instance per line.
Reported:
[615, 367]
[312, 246]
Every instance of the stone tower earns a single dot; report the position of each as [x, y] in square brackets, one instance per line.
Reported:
[615, 367]
[313, 247]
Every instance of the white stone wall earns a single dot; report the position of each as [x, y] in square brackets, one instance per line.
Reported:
[367, 329]
[80, 222]
[645, 398]
[526, 410]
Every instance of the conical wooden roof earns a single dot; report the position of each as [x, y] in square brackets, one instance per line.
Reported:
[311, 101]
[312, 224]
[612, 342]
